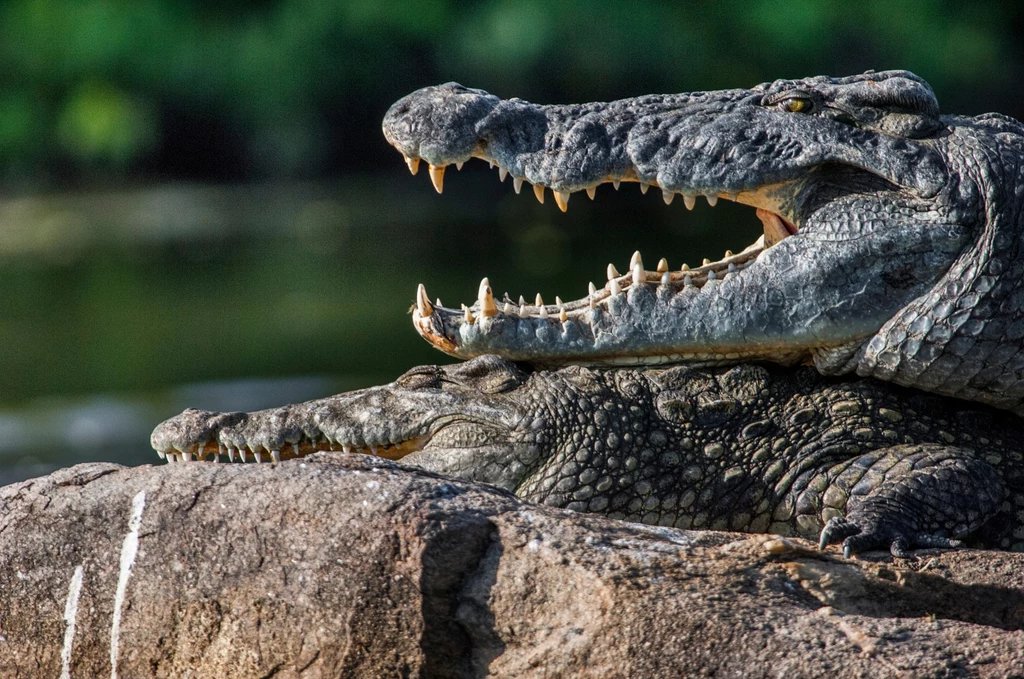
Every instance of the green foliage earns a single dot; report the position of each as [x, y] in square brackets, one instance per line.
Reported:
[100, 81]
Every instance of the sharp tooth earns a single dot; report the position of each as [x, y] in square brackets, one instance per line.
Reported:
[711, 275]
[517, 184]
[613, 272]
[423, 305]
[687, 280]
[538, 300]
[662, 265]
[186, 457]
[562, 200]
[613, 287]
[666, 278]
[712, 199]
[414, 164]
[490, 163]
[231, 454]
[667, 196]
[468, 314]
[522, 300]
[733, 196]
[684, 267]
[524, 311]
[487, 306]
[458, 166]
[202, 449]
[275, 455]
[295, 447]
[638, 274]
[644, 187]
[241, 454]
[562, 316]
[437, 301]
[728, 253]
[507, 309]
[216, 458]
[258, 455]
[732, 268]
[437, 177]
[172, 458]
[689, 200]
[502, 173]
[161, 454]
[543, 313]
[615, 183]
[636, 259]
[705, 262]
[591, 192]
[346, 448]
[759, 243]
[592, 289]
[538, 191]
[558, 300]
[373, 450]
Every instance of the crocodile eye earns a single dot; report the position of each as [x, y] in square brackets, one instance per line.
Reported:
[421, 377]
[796, 105]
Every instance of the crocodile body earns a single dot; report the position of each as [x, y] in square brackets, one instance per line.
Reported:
[893, 233]
[747, 448]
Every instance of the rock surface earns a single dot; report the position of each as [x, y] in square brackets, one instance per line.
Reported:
[340, 565]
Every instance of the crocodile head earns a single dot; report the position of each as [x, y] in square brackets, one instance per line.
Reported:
[873, 205]
[470, 419]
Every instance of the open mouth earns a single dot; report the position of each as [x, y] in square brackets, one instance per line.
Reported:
[434, 321]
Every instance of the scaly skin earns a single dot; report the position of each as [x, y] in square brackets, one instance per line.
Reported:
[892, 245]
[748, 448]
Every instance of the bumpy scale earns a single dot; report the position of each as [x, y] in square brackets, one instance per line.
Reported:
[893, 243]
[746, 449]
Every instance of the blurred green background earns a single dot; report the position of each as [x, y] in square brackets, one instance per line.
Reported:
[197, 206]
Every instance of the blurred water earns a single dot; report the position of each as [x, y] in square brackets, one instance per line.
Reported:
[110, 300]
[48, 433]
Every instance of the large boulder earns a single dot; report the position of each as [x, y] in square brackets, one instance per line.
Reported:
[338, 566]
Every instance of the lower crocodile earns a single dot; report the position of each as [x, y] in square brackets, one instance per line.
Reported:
[747, 448]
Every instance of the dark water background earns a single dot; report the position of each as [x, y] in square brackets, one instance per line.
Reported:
[124, 307]
[197, 207]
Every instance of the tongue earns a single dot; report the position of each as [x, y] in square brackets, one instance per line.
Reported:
[775, 227]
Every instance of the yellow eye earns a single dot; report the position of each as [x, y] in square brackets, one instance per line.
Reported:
[797, 105]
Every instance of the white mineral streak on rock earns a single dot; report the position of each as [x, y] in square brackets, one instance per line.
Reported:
[129, 550]
[70, 615]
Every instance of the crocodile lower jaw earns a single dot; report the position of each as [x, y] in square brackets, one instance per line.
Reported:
[214, 451]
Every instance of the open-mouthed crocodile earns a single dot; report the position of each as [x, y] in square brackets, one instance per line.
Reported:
[892, 239]
[746, 448]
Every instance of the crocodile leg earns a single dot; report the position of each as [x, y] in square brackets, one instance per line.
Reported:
[932, 496]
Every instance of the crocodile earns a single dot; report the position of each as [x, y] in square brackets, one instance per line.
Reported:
[743, 448]
[892, 243]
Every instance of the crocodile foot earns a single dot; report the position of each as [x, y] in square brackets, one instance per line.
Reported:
[859, 540]
[934, 496]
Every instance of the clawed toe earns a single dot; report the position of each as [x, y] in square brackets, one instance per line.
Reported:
[835, 530]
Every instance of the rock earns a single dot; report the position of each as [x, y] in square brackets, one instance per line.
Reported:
[340, 565]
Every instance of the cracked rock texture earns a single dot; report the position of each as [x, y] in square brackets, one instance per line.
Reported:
[337, 566]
